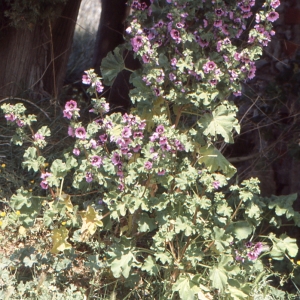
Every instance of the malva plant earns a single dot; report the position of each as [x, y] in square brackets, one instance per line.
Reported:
[161, 203]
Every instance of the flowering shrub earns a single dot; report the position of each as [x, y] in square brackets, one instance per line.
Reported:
[161, 201]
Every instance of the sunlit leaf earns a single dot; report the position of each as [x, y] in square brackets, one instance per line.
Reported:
[59, 239]
[90, 221]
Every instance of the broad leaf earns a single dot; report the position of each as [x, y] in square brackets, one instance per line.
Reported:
[215, 161]
[218, 277]
[112, 65]
[90, 221]
[59, 239]
[221, 121]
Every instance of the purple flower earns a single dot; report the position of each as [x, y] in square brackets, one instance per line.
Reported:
[99, 87]
[146, 59]
[86, 79]
[161, 172]
[80, 133]
[218, 23]
[38, 137]
[219, 12]
[160, 129]
[163, 140]
[67, 114]
[209, 66]
[142, 125]
[76, 151]
[175, 35]
[71, 105]
[93, 144]
[20, 123]
[88, 177]
[249, 244]
[44, 185]
[172, 76]
[126, 132]
[258, 247]
[173, 62]
[137, 148]
[202, 43]
[45, 175]
[116, 159]
[10, 117]
[165, 147]
[71, 131]
[156, 92]
[216, 184]
[138, 135]
[178, 145]
[96, 161]
[148, 165]
[137, 43]
[275, 3]
[252, 255]
[272, 16]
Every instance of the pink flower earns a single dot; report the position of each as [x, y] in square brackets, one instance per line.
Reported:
[116, 159]
[86, 79]
[272, 16]
[44, 185]
[160, 129]
[96, 161]
[45, 175]
[71, 131]
[137, 43]
[161, 172]
[275, 3]
[71, 105]
[175, 35]
[76, 151]
[10, 117]
[148, 165]
[88, 177]
[216, 184]
[20, 123]
[38, 137]
[80, 133]
[209, 66]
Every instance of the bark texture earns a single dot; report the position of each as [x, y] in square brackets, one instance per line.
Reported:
[33, 61]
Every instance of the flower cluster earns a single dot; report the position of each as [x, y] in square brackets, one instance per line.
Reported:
[71, 109]
[250, 251]
[14, 114]
[90, 78]
[199, 44]
[44, 183]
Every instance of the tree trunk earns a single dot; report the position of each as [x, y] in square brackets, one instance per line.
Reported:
[33, 62]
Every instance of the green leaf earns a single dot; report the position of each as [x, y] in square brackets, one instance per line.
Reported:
[31, 159]
[58, 168]
[240, 229]
[185, 288]
[215, 161]
[150, 266]
[284, 206]
[122, 265]
[112, 65]
[221, 239]
[146, 224]
[218, 277]
[221, 121]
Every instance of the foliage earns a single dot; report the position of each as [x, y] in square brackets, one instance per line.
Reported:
[149, 193]
[20, 13]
